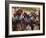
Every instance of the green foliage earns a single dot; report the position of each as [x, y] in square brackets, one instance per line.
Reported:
[29, 9]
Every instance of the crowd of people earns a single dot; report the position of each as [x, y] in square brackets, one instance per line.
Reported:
[23, 21]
